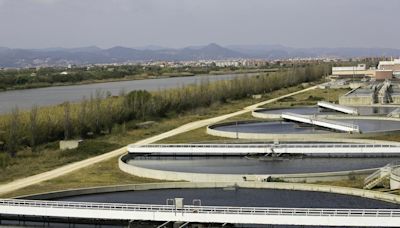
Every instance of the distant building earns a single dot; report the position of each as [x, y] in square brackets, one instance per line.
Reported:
[393, 65]
[254, 63]
[377, 93]
[64, 73]
[383, 74]
[361, 71]
[227, 63]
[352, 71]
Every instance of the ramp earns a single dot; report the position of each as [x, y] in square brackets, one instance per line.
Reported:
[337, 107]
[335, 125]
[377, 177]
[394, 113]
[380, 175]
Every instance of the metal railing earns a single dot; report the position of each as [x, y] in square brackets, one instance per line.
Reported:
[337, 107]
[378, 172]
[372, 177]
[333, 122]
[289, 145]
[394, 112]
[203, 209]
[312, 119]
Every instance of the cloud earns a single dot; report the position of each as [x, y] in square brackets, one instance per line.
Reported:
[13, 4]
[2, 2]
[46, 2]
[305, 23]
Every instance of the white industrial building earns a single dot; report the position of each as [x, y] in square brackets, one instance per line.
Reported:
[393, 65]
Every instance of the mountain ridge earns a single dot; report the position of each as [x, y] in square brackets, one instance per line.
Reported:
[58, 56]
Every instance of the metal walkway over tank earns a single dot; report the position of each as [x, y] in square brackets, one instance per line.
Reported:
[380, 175]
[337, 107]
[335, 125]
[248, 149]
[394, 113]
[205, 214]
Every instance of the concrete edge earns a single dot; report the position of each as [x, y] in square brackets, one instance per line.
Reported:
[213, 177]
[283, 137]
[328, 137]
[258, 185]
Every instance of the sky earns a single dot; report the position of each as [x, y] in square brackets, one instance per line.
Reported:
[180, 23]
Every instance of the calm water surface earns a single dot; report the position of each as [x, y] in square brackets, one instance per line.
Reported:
[239, 197]
[282, 127]
[311, 110]
[241, 165]
[25, 99]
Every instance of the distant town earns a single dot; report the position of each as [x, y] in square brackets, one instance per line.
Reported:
[227, 63]
[234, 55]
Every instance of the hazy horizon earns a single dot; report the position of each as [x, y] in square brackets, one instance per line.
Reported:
[159, 47]
[35, 24]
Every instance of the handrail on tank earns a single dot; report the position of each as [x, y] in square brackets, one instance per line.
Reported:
[289, 145]
[201, 209]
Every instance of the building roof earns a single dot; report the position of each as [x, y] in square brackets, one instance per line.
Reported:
[359, 67]
[389, 63]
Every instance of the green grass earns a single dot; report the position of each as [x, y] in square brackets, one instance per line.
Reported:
[309, 98]
[194, 136]
[356, 182]
[107, 173]
[30, 163]
[200, 135]
[49, 157]
[100, 174]
[392, 137]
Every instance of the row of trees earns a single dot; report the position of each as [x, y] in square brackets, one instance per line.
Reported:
[102, 114]
[48, 76]
[30, 78]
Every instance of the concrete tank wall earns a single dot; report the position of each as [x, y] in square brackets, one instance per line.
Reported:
[258, 185]
[355, 100]
[211, 177]
[396, 99]
[328, 137]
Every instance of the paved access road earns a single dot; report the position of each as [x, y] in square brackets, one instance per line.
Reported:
[31, 180]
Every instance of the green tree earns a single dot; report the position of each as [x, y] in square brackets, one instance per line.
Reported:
[13, 132]
[67, 121]
[33, 127]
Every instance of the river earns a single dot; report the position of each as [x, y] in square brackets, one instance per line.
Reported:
[25, 99]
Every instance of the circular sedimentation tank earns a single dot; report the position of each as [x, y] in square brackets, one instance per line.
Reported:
[314, 110]
[372, 120]
[225, 194]
[366, 126]
[255, 165]
[235, 196]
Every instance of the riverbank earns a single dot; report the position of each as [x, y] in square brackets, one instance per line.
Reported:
[132, 78]
[107, 172]
[49, 156]
[50, 96]
[104, 114]
[55, 181]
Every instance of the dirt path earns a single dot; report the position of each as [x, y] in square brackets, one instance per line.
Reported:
[31, 180]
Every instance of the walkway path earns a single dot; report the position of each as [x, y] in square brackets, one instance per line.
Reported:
[35, 179]
[205, 214]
